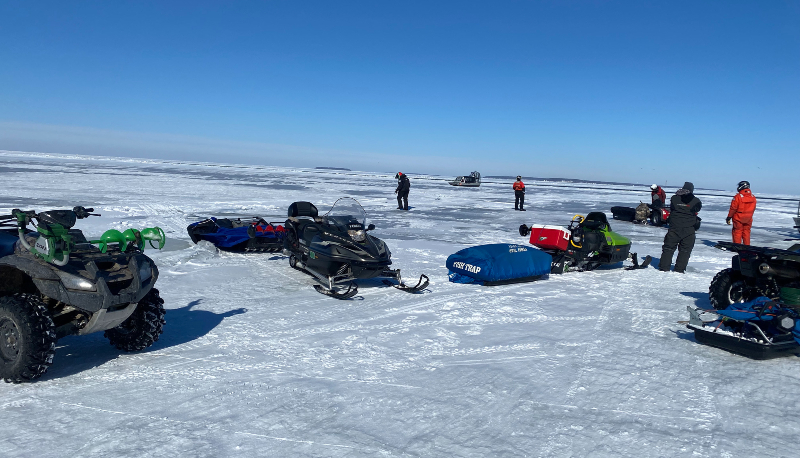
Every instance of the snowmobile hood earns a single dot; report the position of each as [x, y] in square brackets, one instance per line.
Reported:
[343, 246]
[614, 239]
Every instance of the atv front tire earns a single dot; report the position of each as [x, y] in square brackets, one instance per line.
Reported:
[728, 287]
[27, 338]
[143, 328]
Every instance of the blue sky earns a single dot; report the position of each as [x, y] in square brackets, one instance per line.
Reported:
[630, 91]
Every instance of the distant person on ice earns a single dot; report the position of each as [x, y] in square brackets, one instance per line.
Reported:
[519, 194]
[742, 208]
[403, 185]
[657, 196]
[683, 224]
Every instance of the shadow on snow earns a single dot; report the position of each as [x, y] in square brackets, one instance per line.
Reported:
[75, 354]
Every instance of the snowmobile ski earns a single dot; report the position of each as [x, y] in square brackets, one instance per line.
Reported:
[352, 290]
[419, 287]
[635, 259]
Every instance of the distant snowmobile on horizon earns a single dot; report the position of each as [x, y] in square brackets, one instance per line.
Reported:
[337, 249]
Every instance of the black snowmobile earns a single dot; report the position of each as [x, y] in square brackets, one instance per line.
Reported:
[336, 249]
[757, 271]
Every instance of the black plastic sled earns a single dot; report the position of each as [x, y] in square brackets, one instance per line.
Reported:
[749, 337]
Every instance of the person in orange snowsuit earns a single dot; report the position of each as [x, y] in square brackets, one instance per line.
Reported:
[519, 194]
[742, 208]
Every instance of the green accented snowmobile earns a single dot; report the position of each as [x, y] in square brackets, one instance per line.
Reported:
[55, 283]
[586, 244]
[337, 249]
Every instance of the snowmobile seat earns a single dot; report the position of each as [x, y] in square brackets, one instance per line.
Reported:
[595, 221]
[303, 209]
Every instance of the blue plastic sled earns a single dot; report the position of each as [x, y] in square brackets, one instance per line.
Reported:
[254, 235]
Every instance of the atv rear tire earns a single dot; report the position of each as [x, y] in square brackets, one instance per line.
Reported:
[143, 328]
[27, 338]
[728, 287]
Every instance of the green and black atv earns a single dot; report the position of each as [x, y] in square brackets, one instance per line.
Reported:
[55, 283]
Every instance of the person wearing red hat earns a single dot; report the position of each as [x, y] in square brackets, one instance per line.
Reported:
[403, 186]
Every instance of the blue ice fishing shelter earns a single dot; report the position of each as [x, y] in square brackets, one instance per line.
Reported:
[498, 264]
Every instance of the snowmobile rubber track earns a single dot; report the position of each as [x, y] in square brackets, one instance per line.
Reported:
[352, 290]
[276, 249]
[419, 287]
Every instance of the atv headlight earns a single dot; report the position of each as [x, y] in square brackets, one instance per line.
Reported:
[74, 282]
[145, 271]
[358, 236]
[787, 323]
[576, 238]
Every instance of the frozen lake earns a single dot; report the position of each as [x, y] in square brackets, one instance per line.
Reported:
[254, 362]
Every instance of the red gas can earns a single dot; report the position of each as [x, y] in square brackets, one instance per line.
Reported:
[549, 237]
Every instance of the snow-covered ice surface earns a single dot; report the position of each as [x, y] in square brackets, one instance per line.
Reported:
[254, 362]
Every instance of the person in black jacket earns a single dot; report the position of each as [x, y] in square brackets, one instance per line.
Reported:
[683, 224]
[403, 186]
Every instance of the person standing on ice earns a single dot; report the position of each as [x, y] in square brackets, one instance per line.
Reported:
[403, 186]
[683, 223]
[519, 194]
[742, 208]
[657, 196]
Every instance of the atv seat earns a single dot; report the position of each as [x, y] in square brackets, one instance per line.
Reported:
[595, 221]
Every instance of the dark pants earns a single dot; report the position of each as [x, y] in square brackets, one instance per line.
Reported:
[519, 200]
[682, 239]
[402, 200]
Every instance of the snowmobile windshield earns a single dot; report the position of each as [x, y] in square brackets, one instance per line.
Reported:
[347, 214]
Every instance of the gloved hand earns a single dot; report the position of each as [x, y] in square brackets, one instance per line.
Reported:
[728, 220]
[395, 191]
